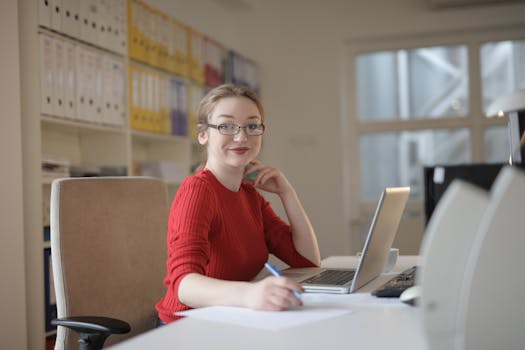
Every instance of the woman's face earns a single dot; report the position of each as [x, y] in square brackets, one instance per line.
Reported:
[232, 150]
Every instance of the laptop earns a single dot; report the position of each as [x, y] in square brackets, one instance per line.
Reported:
[374, 255]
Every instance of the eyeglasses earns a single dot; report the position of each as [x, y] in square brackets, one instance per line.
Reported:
[234, 129]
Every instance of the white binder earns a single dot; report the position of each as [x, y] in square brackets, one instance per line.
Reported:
[98, 92]
[83, 60]
[46, 74]
[69, 80]
[71, 18]
[56, 15]
[44, 13]
[59, 77]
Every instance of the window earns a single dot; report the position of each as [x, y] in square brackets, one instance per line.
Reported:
[502, 69]
[397, 159]
[411, 84]
[422, 101]
[429, 83]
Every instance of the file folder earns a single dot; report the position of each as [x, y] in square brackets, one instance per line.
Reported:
[85, 89]
[44, 13]
[118, 25]
[196, 51]
[59, 77]
[98, 91]
[134, 96]
[69, 80]
[70, 18]
[56, 14]
[46, 74]
[181, 49]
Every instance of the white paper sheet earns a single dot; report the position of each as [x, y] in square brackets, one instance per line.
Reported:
[349, 300]
[316, 307]
[268, 320]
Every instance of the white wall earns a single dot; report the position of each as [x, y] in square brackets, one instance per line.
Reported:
[298, 44]
[12, 273]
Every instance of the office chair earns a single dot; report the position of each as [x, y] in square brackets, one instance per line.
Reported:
[108, 251]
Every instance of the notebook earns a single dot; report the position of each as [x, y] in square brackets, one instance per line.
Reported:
[375, 252]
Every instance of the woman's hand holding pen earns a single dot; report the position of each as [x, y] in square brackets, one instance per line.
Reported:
[273, 294]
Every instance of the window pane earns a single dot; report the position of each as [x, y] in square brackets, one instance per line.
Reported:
[497, 148]
[397, 159]
[412, 84]
[502, 69]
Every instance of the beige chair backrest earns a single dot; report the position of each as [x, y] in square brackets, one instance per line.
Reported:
[108, 244]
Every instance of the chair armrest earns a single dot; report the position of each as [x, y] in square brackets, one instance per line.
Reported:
[93, 330]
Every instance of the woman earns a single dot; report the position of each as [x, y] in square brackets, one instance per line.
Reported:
[221, 230]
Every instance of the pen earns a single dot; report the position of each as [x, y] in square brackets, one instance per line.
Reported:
[276, 272]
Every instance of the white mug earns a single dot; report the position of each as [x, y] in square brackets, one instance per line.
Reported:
[390, 261]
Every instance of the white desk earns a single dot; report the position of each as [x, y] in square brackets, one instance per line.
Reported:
[367, 327]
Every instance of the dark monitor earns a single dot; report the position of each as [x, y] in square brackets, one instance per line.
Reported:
[438, 178]
[516, 129]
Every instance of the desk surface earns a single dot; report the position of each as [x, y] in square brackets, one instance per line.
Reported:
[366, 327]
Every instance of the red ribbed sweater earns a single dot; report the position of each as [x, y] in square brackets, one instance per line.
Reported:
[222, 234]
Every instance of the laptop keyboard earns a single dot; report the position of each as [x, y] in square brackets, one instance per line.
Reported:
[397, 285]
[334, 277]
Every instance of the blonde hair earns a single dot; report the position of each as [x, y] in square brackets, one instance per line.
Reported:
[210, 100]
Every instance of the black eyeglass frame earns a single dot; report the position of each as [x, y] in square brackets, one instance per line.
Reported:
[222, 127]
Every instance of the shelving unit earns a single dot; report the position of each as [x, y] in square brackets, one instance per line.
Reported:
[80, 124]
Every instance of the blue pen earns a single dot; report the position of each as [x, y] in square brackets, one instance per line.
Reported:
[276, 272]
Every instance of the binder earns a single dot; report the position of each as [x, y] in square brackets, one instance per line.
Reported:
[44, 13]
[141, 32]
[195, 95]
[181, 49]
[108, 116]
[59, 77]
[173, 106]
[164, 101]
[118, 26]
[84, 20]
[151, 33]
[148, 100]
[89, 12]
[103, 20]
[85, 83]
[163, 40]
[196, 52]
[97, 115]
[134, 95]
[214, 56]
[46, 74]
[133, 31]
[56, 14]
[69, 80]
[118, 95]
[170, 45]
[70, 18]
[179, 118]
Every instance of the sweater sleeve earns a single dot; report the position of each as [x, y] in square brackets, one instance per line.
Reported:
[278, 235]
[188, 227]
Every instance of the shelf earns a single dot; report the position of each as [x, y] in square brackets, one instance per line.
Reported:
[151, 136]
[69, 124]
[77, 40]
